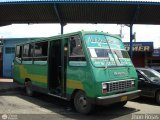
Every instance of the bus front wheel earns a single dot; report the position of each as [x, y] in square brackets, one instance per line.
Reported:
[28, 88]
[82, 103]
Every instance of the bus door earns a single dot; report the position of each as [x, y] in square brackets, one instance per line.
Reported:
[58, 53]
[56, 68]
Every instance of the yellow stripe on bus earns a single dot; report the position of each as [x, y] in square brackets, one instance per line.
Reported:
[36, 78]
[74, 84]
[39, 78]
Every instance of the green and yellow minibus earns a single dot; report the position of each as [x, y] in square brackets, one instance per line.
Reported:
[87, 68]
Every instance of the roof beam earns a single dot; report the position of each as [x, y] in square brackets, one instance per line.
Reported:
[57, 13]
[59, 18]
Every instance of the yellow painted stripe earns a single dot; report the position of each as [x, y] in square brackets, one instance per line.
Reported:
[75, 84]
[36, 78]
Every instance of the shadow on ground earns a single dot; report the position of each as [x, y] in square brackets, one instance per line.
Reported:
[146, 100]
[63, 108]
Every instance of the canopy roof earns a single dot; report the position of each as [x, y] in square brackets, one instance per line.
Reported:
[79, 11]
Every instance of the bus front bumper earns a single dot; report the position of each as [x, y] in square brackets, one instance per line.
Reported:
[105, 100]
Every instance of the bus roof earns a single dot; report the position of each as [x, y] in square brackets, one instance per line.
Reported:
[30, 40]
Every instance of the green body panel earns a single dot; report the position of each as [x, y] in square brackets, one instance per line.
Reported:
[37, 73]
[102, 75]
[82, 74]
[92, 79]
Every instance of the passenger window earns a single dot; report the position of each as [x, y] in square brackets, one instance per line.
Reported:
[41, 50]
[31, 50]
[19, 51]
[26, 50]
[76, 49]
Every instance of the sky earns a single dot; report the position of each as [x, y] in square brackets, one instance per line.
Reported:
[144, 33]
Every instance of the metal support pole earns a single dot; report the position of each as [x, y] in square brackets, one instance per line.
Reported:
[62, 25]
[131, 38]
[59, 17]
[135, 17]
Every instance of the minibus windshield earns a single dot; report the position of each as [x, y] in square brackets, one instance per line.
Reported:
[107, 51]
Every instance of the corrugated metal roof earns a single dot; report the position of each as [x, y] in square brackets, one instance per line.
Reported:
[43, 11]
[80, 0]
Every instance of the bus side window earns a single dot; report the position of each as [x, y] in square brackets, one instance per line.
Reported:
[25, 50]
[41, 50]
[28, 50]
[19, 52]
[76, 49]
[31, 50]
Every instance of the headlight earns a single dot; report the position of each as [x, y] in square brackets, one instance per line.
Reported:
[132, 83]
[104, 86]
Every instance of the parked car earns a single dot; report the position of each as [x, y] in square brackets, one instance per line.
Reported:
[157, 69]
[149, 83]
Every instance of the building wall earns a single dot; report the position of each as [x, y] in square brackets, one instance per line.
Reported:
[9, 55]
[138, 59]
[141, 51]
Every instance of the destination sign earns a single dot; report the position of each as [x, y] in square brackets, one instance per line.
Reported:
[96, 41]
[104, 41]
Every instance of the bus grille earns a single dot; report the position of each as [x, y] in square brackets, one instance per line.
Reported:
[119, 85]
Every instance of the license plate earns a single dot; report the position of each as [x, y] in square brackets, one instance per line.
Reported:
[124, 98]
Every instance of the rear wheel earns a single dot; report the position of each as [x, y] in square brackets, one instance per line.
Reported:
[158, 97]
[28, 88]
[82, 103]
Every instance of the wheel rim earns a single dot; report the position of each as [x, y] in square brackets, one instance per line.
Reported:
[82, 102]
[28, 90]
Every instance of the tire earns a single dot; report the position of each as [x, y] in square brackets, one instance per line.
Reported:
[28, 88]
[82, 104]
[158, 97]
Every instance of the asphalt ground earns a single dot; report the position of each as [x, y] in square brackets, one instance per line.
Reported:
[15, 105]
